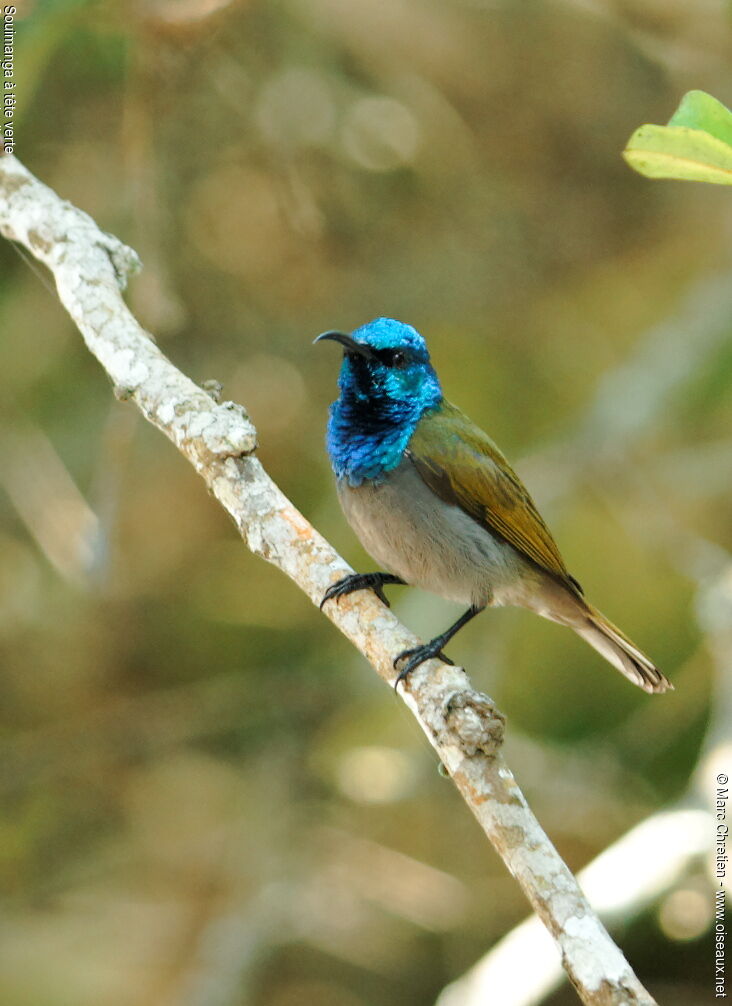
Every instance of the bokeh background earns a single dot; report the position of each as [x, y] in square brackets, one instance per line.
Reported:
[208, 799]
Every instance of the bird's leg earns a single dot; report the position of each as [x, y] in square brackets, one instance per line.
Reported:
[361, 581]
[419, 654]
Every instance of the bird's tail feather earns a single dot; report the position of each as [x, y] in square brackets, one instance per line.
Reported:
[615, 646]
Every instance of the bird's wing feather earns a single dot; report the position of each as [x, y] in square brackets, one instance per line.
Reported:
[461, 464]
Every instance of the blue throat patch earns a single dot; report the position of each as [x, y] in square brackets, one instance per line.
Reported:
[379, 407]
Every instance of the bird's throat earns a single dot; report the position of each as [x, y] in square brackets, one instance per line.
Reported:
[367, 437]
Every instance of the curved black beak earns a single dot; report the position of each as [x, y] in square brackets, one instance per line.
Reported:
[349, 344]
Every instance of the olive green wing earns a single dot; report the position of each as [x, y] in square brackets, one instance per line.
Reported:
[461, 464]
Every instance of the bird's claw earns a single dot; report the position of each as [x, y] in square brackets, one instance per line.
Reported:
[335, 590]
[356, 581]
[416, 656]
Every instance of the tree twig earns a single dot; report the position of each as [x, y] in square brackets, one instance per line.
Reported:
[620, 883]
[90, 269]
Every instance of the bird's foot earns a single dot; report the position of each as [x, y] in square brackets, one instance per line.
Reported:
[417, 656]
[361, 581]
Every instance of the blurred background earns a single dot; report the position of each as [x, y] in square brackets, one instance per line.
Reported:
[208, 799]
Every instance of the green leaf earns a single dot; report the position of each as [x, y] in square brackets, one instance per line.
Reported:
[699, 110]
[680, 153]
[696, 145]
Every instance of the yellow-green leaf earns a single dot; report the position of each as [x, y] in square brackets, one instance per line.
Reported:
[681, 153]
[696, 145]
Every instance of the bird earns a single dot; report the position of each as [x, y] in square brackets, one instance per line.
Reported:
[434, 501]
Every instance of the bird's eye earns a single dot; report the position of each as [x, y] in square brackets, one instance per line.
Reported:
[397, 358]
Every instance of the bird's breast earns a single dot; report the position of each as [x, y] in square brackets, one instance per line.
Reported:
[432, 544]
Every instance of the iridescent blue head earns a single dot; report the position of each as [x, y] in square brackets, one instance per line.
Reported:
[387, 383]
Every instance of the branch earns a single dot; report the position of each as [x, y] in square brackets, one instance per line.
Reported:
[90, 269]
[650, 859]
[623, 881]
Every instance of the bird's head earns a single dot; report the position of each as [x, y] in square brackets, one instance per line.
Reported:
[387, 362]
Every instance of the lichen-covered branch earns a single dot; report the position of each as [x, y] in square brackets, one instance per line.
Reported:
[90, 269]
[622, 882]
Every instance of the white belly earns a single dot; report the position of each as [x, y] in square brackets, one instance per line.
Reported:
[430, 544]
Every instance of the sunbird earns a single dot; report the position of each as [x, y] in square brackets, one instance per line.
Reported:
[434, 501]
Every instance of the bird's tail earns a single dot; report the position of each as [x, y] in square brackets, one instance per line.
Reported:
[614, 646]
